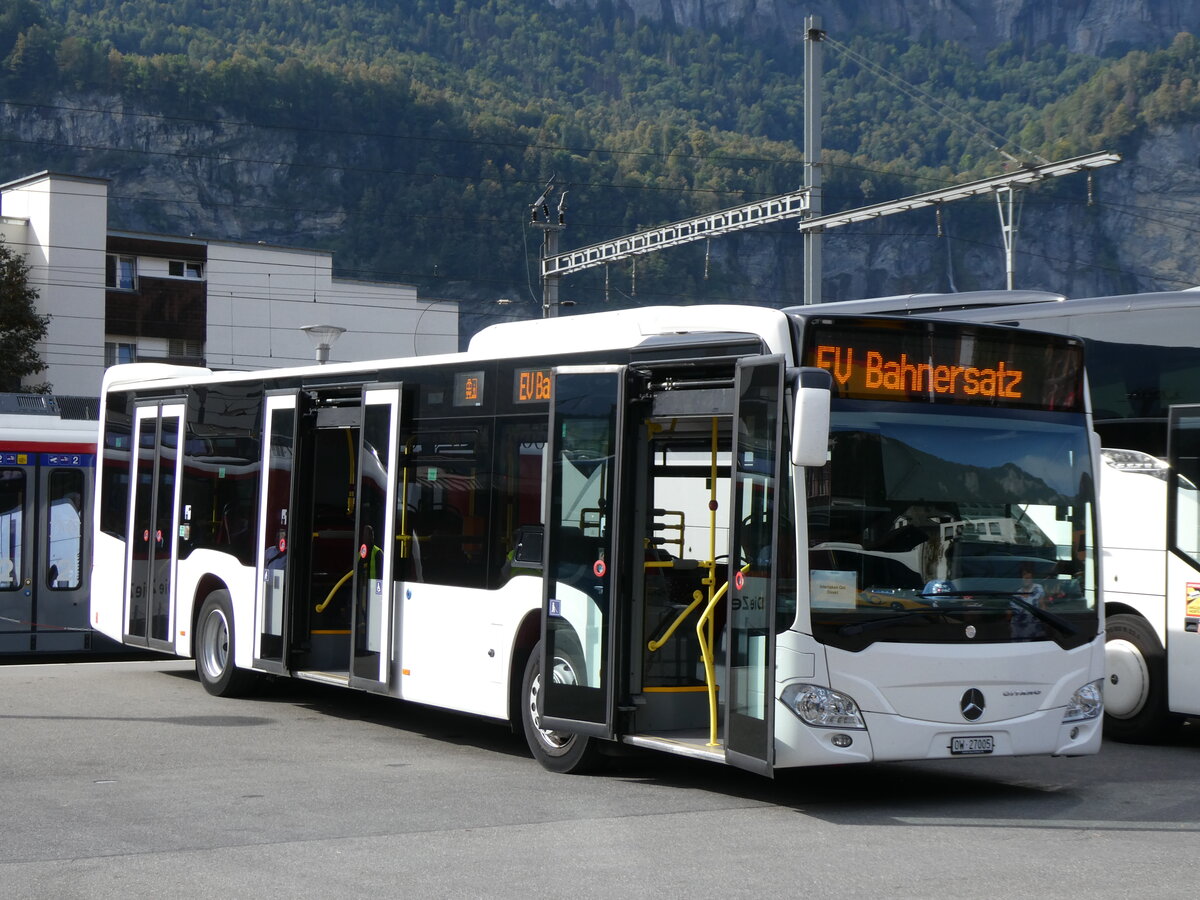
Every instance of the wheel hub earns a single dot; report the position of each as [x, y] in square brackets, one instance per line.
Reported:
[1128, 685]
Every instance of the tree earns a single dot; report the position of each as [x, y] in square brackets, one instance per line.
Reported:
[21, 327]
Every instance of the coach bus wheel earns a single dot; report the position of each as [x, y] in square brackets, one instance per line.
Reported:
[1135, 694]
[558, 751]
[214, 649]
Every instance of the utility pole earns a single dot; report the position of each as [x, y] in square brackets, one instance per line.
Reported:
[1008, 230]
[539, 217]
[813, 64]
[804, 204]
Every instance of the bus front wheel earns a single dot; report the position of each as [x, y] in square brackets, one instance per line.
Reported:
[1135, 688]
[558, 751]
[214, 649]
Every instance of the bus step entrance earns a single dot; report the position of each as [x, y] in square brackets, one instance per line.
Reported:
[692, 743]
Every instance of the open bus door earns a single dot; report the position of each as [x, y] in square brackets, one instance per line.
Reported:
[758, 499]
[582, 516]
[1183, 560]
[371, 620]
[274, 530]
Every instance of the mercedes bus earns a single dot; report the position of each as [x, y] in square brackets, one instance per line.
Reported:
[760, 538]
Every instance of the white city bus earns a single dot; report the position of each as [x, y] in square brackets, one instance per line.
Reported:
[736, 534]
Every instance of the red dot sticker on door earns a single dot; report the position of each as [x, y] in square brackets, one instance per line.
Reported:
[739, 580]
[362, 552]
[599, 568]
[283, 545]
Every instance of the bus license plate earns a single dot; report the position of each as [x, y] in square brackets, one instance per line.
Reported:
[966, 746]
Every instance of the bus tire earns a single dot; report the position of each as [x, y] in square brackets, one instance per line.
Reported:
[1135, 688]
[558, 751]
[214, 649]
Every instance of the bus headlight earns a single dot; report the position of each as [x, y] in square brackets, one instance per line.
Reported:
[1085, 703]
[822, 707]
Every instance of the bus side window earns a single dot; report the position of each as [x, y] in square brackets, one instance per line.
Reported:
[442, 526]
[221, 471]
[515, 547]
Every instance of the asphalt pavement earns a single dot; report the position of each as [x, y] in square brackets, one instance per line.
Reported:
[127, 780]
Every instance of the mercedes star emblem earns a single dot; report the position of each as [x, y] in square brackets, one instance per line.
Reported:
[972, 704]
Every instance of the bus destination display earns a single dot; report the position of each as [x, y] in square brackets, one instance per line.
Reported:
[531, 386]
[917, 364]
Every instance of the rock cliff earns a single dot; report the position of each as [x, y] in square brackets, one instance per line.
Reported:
[1138, 235]
[1083, 26]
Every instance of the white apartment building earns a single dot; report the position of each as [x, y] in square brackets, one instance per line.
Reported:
[122, 297]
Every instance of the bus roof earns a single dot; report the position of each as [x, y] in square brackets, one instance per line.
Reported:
[628, 328]
[625, 328]
[907, 304]
[1189, 299]
[1162, 318]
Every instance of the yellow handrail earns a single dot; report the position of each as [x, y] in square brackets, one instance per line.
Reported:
[654, 645]
[324, 603]
[704, 625]
[706, 654]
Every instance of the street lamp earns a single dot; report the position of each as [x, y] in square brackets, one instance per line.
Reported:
[322, 337]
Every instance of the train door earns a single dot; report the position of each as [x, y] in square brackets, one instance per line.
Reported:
[579, 616]
[274, 531]
[63, 550]
[152, 549]
[754, 524]
[1183, 561]
[17, 506]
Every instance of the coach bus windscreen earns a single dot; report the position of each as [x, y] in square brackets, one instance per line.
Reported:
[960, 521]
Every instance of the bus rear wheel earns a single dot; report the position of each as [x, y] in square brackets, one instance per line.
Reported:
[1135, 689]
[558, 751]
[214, 649]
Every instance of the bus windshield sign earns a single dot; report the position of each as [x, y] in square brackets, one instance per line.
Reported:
[532, 386]
[945, 363]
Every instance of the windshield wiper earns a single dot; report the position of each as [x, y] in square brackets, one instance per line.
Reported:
[1044, 615]
[896, 615]
[1048, 617]
[1058, 622]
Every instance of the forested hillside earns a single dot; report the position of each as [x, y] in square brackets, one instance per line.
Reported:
[411, 137]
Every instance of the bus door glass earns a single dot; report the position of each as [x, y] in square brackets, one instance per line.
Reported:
[274, 534]
[151, 551]
[376, 492]
[581, 519]
[1183, 563]
[754, 553]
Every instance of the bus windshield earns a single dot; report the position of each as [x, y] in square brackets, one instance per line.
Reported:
[952, 525]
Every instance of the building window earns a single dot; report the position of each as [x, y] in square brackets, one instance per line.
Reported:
[179, 268]
[116, 352]
[180, 348]
[120, 272]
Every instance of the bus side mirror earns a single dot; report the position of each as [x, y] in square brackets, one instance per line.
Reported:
[810, 425]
